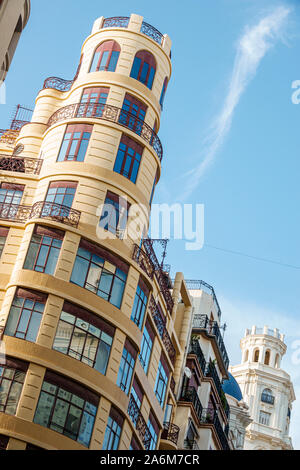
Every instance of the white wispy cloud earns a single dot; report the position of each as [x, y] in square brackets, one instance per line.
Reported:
[251, 48]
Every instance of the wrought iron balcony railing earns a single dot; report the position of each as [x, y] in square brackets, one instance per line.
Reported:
[266, 398]
[142, 259]
[8, 137]
[189, 394]
[163, 332]
[14, 212]
[58, 212]
[139, 423]
[116, 22]
[57, 83]
[210, 416]
[202, 285]
[161, 276]
[151, 32]
[20, 164]
[202, 322]
[170, 432]
[212, 372]
[113, 114]
[195, 348]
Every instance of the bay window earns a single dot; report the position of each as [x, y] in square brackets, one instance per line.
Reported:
[84, 336]
[100, 272]
[67, 408]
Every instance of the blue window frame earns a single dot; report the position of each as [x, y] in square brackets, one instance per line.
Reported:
[140, 304]
[113, 431]
[146, 347]
[144, 68]
[126, 367]
[161, 382]
[128, 158]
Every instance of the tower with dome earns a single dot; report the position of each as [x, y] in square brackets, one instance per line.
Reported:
[265, 387]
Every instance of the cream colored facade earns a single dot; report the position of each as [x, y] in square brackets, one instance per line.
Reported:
[35, 150]
[266, 388]
[239, 420]
[14, 15]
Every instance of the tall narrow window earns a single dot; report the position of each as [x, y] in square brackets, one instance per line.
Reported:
[10, 199]
[92, 102]
[133, 113]
[161, 381]
[106, 57]
[143, 68]
[3, 236]
[67, 407]
[136, 394]
[12, 376]
[84, 336]
[267, 357]
[163, 92]
[146, 347]
[25, 315]
[154, 431]
[44, 249]
[256, 355]
[113, 430]
[75, 143]
[115, 213]
[126, 367]
[128, 158]
[100, 272]
[140, 303]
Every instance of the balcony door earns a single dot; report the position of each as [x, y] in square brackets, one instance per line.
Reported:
[133, 113]
[59, 199]
[92, 102]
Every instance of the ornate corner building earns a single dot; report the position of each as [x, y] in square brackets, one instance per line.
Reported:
[266, 388]
[88, 314]
[14, 15]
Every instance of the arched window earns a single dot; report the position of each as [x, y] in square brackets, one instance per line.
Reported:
[256, 355]
[143, 68]
[163, 92]
[267, 358]
[106, 57]
[267, 396]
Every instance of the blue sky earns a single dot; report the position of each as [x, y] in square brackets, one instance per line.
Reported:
[250, 191]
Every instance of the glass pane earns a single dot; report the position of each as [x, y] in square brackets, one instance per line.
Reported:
[79, 271]
[144, 72]
[24, 320]
[90, 347]
[95, 62]
[82, 150]
[77, 341]
[102, 357]
[44, 409]
[104, 60]
[62, 337]
[13, 398]
[59, 415]
[135, 68]
[113, 61]
[73, 421]
[31, 255]
[63, 151]
[117, 292]
[52, 261]
[86, 429]
[34, 326]
[12, 321]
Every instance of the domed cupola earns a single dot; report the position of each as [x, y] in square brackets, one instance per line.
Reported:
[232, 388]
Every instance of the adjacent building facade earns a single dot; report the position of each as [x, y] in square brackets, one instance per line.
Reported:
[14, 15]
[266, 388]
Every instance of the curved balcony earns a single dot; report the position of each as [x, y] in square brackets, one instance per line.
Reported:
[116, 22]
[202, 322]
[113, 114]
[20, 164]
[14, 212]
[170, 432]
[163, 332]
[58, 84]
[152, 32]
[210, 416]
[57, 212]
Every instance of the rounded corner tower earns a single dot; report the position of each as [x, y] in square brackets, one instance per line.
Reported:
[75, 285]
[266, 388]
